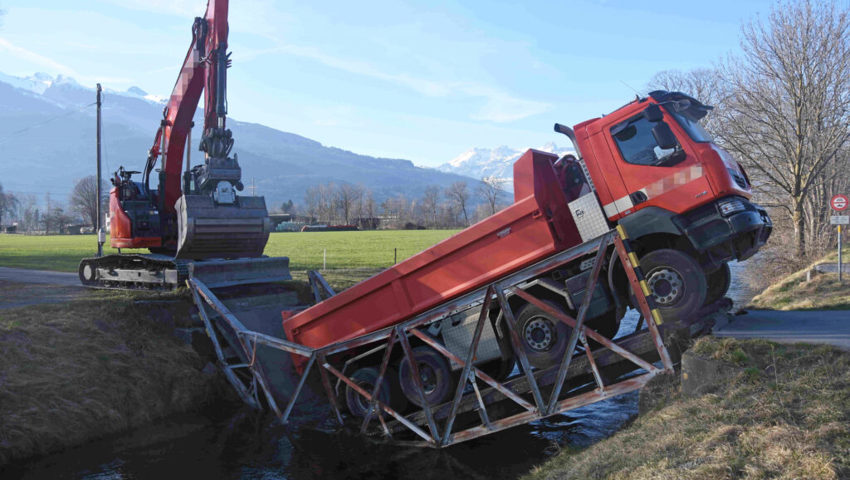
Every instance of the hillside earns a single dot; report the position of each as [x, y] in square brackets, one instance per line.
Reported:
[47, 133]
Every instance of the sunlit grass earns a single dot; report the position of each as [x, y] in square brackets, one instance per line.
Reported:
[306, 250]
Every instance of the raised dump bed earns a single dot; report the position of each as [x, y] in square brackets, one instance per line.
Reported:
[535, 226]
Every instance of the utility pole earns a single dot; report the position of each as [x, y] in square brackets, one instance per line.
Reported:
[101, 238]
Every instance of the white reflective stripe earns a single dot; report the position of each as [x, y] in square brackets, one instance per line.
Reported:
[618, 206]
[656, 188]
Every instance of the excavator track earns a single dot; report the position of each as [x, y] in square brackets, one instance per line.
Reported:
[161, 272]
[138, 272]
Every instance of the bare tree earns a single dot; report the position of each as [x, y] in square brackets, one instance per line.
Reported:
[347, 195]
[430, 203]
[788, 110]
[8, 204]
[490, 191]
[369, 208]
[84, 198]
[458, 194]
[705, 84]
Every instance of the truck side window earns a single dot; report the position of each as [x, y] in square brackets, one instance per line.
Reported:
[637, 145]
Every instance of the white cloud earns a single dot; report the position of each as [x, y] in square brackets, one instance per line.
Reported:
[35, 58]
[499, 106]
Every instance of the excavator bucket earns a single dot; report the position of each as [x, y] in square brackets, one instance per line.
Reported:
[206, 229]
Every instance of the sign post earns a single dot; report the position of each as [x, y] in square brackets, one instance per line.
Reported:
[839, 203]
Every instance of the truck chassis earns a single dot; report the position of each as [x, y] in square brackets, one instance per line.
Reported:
[584, 375]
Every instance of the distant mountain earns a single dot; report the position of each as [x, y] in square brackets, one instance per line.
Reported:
[495, 163]
[47, 136]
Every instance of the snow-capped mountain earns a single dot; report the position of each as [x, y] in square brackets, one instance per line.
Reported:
[493, 162]
[47, 129]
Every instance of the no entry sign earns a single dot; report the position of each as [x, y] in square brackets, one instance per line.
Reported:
[839, 202]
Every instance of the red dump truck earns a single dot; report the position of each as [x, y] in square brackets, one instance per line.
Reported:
[649, 166]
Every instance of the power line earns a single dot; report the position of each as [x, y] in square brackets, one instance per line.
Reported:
[30, 127]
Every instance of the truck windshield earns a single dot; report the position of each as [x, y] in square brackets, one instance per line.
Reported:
[690, 123]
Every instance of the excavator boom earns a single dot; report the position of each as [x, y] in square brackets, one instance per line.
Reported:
[194, 215]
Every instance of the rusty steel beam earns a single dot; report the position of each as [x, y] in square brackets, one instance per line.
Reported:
[590, 333]
[510, 321]
[297, 392]
[377, 388]
[640, 294]
[417, 380]
[563, 406]
[579, 321]
[326, 383]
[483, 376]
[470, 357]
[596, 375]
[386, 408]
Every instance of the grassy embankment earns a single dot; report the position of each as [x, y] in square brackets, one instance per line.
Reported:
[784, 415]
[345, 250]
[75, 371]
[78, 370]
[823, 292]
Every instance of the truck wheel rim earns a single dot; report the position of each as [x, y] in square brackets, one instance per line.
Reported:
[539, 334]
[428, 377]
[666, 286]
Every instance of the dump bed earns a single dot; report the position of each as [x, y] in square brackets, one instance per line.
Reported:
[535, 226]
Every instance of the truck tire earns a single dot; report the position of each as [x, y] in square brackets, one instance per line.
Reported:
[718, 284]
[543, 338]
[676, 281]
[366, 378]
[435, 373]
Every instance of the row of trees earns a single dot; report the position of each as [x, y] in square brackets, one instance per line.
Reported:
[454, 206]
[51, 216]
[782, 108]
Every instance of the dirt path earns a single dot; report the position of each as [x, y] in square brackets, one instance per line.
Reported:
[22, 275]
[806, 326]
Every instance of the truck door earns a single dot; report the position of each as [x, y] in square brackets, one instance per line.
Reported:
[672, 179]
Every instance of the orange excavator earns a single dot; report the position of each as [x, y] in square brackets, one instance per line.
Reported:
[199, 224]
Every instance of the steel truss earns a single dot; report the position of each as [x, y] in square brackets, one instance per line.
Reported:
[434, 426]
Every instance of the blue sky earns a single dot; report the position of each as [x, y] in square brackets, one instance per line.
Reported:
[421, 80]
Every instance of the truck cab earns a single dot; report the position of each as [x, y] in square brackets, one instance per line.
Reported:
[659, 174]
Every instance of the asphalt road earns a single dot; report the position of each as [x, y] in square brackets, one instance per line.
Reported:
[21, 275]
[805, 326]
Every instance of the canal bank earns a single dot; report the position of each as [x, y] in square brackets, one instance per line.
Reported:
[237, 444]
[86, 368]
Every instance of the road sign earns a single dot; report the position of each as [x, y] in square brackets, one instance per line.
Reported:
[839, 202]
[839, 220]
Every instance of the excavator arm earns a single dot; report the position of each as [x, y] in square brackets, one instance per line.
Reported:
[202, 217]
[204, 70]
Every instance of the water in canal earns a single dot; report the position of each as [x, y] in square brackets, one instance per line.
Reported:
[246, 446]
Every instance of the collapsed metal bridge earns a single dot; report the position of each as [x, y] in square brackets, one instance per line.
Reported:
[595, 367]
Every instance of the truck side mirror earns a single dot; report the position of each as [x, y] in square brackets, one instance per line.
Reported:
[653, 113]
[664, 136]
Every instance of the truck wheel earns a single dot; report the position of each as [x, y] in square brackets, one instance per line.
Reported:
[366, 378]
[718, 284]
[676, 281]
[543, 338]
[435, 373]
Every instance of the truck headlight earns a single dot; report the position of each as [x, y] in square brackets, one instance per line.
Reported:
[730, 206]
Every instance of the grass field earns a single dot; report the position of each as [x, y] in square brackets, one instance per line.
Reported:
[366, 249]
[783, 415]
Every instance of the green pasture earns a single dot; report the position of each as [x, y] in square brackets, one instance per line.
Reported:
[372, 249]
